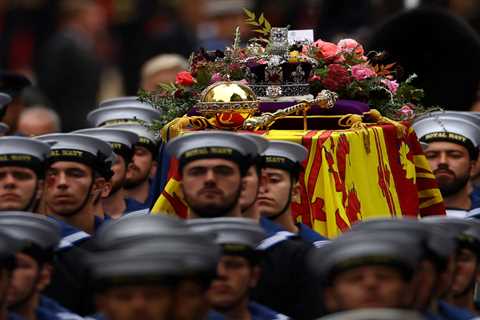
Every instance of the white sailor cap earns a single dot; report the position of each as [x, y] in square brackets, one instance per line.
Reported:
[452, 127]
[29, 227]
[374, 314]
[3, 128]
[213, 144]
[91, 151]
[146, 138]
[234, 233]
[284, 155]
[121, 140]
[362, 249]
[122, 113]
[23, 152]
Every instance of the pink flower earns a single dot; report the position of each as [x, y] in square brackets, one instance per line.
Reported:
[350, 46]
[315, 78]
[406, 112]
[392, 85]
[362, 72]
[326, 50]
[216, 77]
[244, 81]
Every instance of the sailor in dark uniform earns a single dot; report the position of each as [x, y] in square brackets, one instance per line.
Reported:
[8, 248]
[238, 268]
[281, 169]
[144, 255]
[452, 150]
[36, 237]
[212, 165]
[130, 114]
[122, 142]
[367, 270]
[22, 172]
[77, 168]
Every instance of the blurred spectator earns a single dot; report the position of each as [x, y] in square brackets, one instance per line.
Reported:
[69, 70]
[441, 48]
[38, 120]
[221, 19]
[161, 69]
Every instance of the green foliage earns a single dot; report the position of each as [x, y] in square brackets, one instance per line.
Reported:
[262, 24]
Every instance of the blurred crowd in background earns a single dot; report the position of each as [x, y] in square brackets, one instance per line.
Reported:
[79, 52]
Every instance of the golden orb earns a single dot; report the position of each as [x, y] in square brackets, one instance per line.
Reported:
[230, 102]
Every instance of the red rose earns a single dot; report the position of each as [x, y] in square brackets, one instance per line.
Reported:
[337, 77]
[184, 78]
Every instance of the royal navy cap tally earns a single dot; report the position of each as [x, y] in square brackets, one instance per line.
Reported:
[449, 127]
[31, 228]
[122, 114]
[121, 140]
[374, 314]
[146, 137]
[212, 144]
[363, 250]
[233, 232]
[3, 128]
[284, 155]
[85, 149]
[24, 152]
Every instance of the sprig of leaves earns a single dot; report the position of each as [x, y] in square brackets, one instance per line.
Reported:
[261, 24]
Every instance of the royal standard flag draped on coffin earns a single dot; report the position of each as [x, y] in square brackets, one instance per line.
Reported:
[350, 175]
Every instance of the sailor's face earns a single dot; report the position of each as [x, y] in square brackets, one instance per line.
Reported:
[140, 168]
[68, 186]
[465, 272]
[275, 192]
[367, 287]
[451, 165]
[235, 277]
[18, 188]
[119, 169]
[211, 187]
[251, 188]
[28, 278]
[137, 302]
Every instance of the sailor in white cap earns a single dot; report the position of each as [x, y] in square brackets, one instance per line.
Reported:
[281, 169]
[152, 267]
[238, 269]
[452, 152]
[22, 162]
[37, 237]
[122, 141]
[467, 265]
[77, 168]
[367, 270]
[212, 165]
[131, 114]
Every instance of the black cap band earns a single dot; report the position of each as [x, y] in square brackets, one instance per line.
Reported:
[243, 162]
[148, 144]
[454, 138]
[23, 160]
[97, 163]
[122, 150]
[282, 163]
